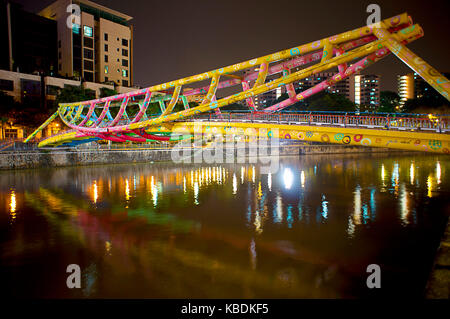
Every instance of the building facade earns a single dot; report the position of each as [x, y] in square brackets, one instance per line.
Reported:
[95, 43]
[412, 86]
[32, 88]
[29, 41]
[406, 87]
[367, 90]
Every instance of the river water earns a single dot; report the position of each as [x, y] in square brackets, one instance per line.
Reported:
[165, 230]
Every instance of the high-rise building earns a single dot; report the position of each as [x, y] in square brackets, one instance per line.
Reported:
[367, 90]
[360, 89]
[28, 41]
[95, 43]
[406, 87]
[412, 86]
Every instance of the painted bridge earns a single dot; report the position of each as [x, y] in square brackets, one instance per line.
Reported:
[128, 117]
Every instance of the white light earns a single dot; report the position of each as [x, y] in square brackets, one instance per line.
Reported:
[95, 192]
[288, 178]
[269, 181]
[357, 206]
[234, 184]
[302, 179]
[196, 193]
[404, 204]
[438, 172]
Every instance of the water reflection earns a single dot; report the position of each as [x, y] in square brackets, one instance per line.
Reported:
[167, 230]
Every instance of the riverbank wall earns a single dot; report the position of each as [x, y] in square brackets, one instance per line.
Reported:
[73, 157]
[438, 286]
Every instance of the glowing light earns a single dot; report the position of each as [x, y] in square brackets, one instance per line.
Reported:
[108, 247]
[253, 174]
[95, 191]
[196, 193]
[438, 172]
[429, 186]
[155, 192]
[395, 175]
[288, 178]
[324, 207]
[404, 205]
[269, 181]
[395, 178]
[242, 174]
[278, 216]
[289, 218]
[234, 184]
[259, 190]
[184, 184]
[357, 206]
[127, 190]
[12, 205]
[350, 227]
[258, 223]
[411, 173]
[302, 179]
[383, 173]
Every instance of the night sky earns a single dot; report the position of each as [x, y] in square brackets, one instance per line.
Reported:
[174, 39]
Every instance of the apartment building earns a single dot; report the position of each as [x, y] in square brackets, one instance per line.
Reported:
[95, 43]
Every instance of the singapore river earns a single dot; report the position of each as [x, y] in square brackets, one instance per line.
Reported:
[165, 230]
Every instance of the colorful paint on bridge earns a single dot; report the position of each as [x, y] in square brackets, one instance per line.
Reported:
[110, 118]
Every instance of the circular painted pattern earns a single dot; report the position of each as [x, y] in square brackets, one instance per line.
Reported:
[339, 136]
[346, 139]
[316, 44]
[435, 144]
[417, 142]
[287, 136]
[325, 138]
[270, 133]
[433, 72]
[357, 137]
[301, 136]
[395, 20]
[366, 141]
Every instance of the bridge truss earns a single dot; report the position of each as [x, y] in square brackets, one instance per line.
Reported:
[127, 117]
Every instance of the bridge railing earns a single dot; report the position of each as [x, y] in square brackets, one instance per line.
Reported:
[432, 123]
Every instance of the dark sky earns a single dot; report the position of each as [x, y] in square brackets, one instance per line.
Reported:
[174, 39]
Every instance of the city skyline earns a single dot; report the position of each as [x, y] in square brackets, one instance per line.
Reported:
[189, 39]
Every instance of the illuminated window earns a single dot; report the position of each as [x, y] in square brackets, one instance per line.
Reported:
[87, 31]
[124, 73]
[106, 69]
[75, 28]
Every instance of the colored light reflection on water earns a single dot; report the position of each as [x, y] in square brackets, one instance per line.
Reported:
[221, 230]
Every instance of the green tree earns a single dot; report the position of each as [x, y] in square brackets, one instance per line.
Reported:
[389, 101]
[73, 94]
[325, 101]
[426, 104]
[104, 92]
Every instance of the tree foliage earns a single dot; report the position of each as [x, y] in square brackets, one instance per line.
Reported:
[389, 100]
[423, 104]
[104, 92]
[73, 94]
